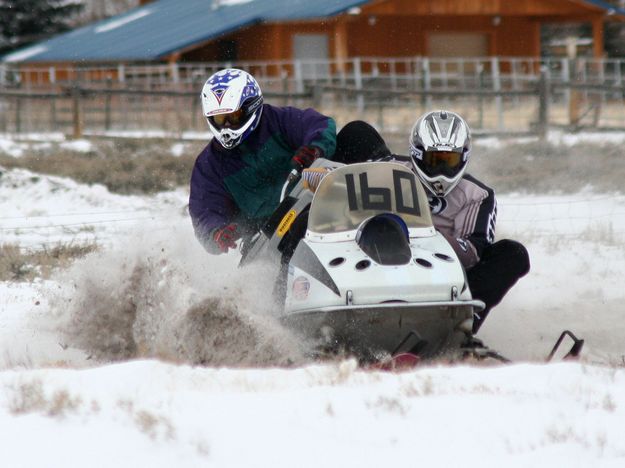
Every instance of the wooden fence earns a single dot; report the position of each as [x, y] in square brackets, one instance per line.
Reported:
[78, 109]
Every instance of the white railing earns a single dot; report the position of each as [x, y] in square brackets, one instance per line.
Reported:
[494, 93]
[397, 72]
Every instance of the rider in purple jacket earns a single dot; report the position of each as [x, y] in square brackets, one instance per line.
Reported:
[237, 178]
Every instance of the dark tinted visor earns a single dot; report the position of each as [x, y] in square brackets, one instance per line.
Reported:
[446, 163]
[231, 120]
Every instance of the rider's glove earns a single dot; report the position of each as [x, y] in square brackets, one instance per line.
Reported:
[305, 156]
[226, 237]
[312, 177]
[467, 254]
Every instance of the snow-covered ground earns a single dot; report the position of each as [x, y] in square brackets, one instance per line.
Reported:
[96, 362]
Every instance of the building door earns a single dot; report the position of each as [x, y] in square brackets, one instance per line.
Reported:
[451, 44]
[313, 51]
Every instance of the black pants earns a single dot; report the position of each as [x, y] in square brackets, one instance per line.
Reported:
[499, 268]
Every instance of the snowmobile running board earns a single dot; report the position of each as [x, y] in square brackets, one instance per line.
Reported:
[476, 348]
[473, 347]
[578, 344]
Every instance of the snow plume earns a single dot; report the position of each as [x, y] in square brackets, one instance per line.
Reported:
[166, 298]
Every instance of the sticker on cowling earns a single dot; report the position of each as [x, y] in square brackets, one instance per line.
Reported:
[285, 223]
[300, 288]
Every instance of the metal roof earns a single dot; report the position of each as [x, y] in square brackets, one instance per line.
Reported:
[160, 28]
[610, 9]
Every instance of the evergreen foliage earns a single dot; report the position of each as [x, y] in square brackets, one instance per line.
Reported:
[23, 22]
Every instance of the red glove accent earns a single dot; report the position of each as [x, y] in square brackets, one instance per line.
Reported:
[226, 237]
[305, 156]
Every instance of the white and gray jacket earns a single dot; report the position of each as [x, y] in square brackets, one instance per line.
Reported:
[466, 216]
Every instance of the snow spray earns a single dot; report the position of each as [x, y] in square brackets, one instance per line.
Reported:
[161, 296]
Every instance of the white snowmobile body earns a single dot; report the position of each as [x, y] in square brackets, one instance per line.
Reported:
[372, 275]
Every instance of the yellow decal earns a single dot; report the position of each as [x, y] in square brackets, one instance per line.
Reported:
[285, 223]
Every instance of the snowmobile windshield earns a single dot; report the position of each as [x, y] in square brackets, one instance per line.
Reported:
[354, 193]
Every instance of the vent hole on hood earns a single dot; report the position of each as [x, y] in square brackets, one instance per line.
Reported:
[336, 261]
[363, 265]
[423, 262]
[443, 257]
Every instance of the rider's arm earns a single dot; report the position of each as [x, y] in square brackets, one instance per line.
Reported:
[307, 128]
[479, 223]
[211, 207]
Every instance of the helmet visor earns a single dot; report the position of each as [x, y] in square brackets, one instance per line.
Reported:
[437, 163]
[230, 120]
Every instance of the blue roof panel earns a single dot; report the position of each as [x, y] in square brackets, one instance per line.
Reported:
[157, 29]
[164, 26]
[611, 9]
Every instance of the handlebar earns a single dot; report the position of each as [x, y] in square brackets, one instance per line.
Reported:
[291, 180]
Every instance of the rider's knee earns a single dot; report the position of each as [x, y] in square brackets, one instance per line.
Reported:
[517, 255]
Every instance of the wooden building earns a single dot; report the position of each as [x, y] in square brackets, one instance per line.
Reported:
[239, 30]
[398, 28]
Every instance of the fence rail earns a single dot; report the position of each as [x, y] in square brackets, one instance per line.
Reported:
[496, 94]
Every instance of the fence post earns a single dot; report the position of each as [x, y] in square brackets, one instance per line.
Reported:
[299, 81]
[76, 117]
[18, 114]
[565, 77]
[575, 101]
[480, 98]
[494, 64]
[107, 104]
[360, 99]
[121, 73]
[284, 77]
[175, 73]
[3, 118]
[542, 126]
[426, 99]
[53, 113]
[195, 105]
[317, 95]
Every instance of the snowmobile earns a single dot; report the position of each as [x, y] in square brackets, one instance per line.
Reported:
[362, 271]
[371, 276]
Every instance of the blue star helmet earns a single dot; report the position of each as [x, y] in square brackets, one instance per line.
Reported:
[440, 146]
[232, 104]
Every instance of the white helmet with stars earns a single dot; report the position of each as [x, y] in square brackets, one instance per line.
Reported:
[232, 104]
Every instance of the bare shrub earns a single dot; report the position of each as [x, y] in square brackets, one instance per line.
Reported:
[24, 265]
[62, 403]
[154, 425]
[29, 397]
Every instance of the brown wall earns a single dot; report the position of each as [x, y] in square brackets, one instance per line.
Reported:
[262, 42]
[408, 36]
[386, 35]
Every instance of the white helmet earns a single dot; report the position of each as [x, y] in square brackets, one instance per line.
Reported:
[232, 104]
[440, 145]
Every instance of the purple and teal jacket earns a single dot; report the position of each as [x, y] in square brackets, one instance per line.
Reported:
[243, 184]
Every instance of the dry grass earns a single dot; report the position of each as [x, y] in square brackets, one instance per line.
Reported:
[25, 265]
[135, 166]
[127, 166]
[536, 167]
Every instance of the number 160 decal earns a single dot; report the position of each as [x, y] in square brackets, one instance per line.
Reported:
[379, 198]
